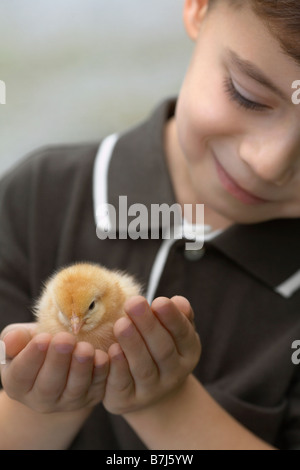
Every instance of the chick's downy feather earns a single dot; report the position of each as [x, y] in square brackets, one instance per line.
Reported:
[86, 300]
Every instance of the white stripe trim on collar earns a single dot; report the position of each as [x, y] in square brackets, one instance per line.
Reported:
[161, 259]
[100, 180]
[290, 286]
[100, 196]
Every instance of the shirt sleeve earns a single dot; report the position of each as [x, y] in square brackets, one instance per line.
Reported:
[15, 213]
[41, 201]
[290, 435]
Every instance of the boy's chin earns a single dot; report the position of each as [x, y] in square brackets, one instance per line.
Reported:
[250, 215]
[249, 220]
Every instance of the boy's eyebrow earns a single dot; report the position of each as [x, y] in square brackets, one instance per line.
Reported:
[250, 69]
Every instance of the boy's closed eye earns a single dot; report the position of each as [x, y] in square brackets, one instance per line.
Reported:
[241, 100]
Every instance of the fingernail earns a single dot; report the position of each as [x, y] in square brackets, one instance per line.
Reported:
[118, 356]
[139, 309]
[8, 333]
[64, 348]
[82, 359]
[128, 327]
[100, 365]
[42, 346]
[116, 352]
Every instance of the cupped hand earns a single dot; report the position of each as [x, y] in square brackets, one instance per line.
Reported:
[52, 373]
[157, 349]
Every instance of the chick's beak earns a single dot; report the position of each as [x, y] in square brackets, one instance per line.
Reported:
[76, 323]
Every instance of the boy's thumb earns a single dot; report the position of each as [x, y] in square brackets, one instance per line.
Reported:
[30, 327]
[16, 337]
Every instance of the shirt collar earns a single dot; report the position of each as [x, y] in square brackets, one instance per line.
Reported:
[268, 250]
[137, 169]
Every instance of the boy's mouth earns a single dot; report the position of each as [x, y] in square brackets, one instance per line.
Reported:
[234, 189]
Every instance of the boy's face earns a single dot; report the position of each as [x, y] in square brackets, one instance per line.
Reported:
[240, 138]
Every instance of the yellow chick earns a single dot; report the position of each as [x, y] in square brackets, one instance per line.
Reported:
[86, 300]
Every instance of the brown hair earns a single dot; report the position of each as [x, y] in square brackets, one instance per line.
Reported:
[282, 17]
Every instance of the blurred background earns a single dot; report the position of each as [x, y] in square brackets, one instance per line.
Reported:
[76, 70]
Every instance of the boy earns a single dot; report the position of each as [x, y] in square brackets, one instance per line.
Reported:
[232, 142]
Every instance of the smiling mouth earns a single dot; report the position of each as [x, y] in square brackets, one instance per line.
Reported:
[234, 189]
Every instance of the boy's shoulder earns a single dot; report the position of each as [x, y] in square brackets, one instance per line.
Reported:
[48, 172]
[269, 251]
[54, 160]
[66, 161]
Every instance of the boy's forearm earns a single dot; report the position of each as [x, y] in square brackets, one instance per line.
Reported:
[191, 419]
[24, 429]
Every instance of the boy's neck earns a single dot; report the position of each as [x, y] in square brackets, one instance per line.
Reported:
[180, 178]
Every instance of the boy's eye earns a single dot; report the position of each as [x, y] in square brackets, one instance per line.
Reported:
[235, 96]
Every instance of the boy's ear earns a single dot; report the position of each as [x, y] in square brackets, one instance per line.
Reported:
[193, 15]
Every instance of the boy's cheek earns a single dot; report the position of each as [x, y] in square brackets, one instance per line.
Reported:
[199, 126]
[205, 113]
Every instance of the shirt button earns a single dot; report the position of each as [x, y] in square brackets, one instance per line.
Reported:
[194, 255]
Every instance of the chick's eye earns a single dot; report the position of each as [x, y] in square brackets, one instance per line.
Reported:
[63, 319]
[91, 307]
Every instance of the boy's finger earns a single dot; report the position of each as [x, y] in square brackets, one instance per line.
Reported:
[142, 367]
[15, 340]
[101, 368]
[96, 391]
[156, 337]
[30, 327]
[176, 323]
[52, 377]
[184, 307]
[81, 370]
[119, 378]
[19, 375]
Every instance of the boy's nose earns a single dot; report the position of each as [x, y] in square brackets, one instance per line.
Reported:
[285, 178]
[271, 161]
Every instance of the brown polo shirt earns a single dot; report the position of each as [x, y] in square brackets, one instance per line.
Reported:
[244, 285]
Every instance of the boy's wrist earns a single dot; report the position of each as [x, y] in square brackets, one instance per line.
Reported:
[191, 419]
[45, 430]
[158, 409]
